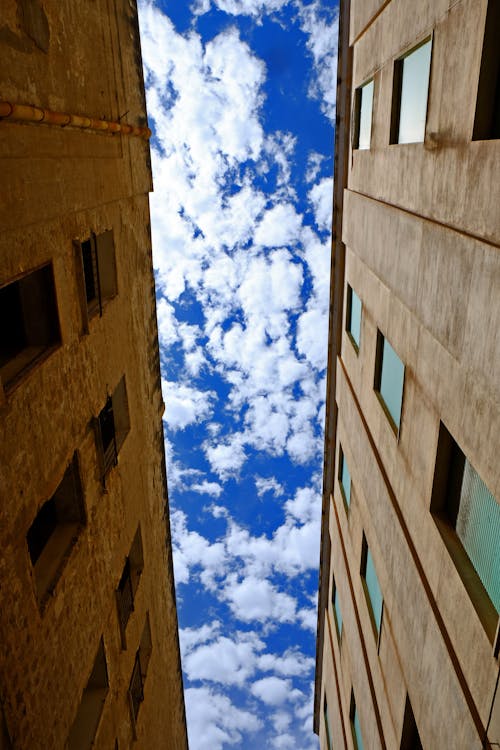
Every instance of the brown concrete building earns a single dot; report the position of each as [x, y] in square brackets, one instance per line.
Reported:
[89, 653]
[408, 635]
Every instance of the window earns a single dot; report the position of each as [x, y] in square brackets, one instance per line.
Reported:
[83, 731]
[410, 92]
[30, 323]
[363, 106]
[487, 117]
[136, 687]
[371, 587]
[97, 271]
[410, 739]
[355, 726]
[336, 608]
[353, 317]
[112, 427]
[389, 380]
[55, 530]
[462, 501]
[327, 724]
[344, 478]
[129, 581]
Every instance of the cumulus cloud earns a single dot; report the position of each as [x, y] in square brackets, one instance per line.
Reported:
[214, 721]
[321, 198]
[185, 405]
[272, 690]
[271, 484]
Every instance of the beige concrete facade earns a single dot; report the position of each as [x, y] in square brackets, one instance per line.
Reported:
[92, 590]
[417, 236]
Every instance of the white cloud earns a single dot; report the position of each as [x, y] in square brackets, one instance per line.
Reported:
[314, 162]
[280, 226]
[258, 599]
[225, 458]
[321, 26]
[185, 405]
[207, 488]
[272, 690]
[254, 8]
[224, 660]
[214, 721]
[321, 198]
[270, 484]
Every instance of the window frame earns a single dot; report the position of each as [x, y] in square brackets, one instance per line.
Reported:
[377, 629]
[342, 462]
[353, 714]
[357, 106]
[337, 610]
[25, 363]
[377, 382]
[99, 674]
[139, 673]
[327, 722]
[131, 576]
[444, 506]
[98, 249]
[486, 125]
[55, 552]
[397, 91]
[348, 318]
[117, 406]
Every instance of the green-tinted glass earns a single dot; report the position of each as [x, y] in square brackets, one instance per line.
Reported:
[357, 731]
[365, 116]
[345, 479]
[414, 91]
[338, 613]
[354, 326]
[374, 591]
[391, 381]
[478, 528]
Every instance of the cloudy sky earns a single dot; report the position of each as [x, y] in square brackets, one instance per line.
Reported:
[241, 99]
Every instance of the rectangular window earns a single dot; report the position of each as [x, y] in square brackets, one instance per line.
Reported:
[29, 323]
[410, 93]
[410, 738]
[84, 729]
[371, 586]
[136, 686]
[112, 427]
[353, 317]
[336, 608]
[355, 726]
[487, 117]
[463, 502]
[55, 530]
[129, 582]
[97, 271]
[389, 380]
[345, 478]
[327, 724]
[363, 107]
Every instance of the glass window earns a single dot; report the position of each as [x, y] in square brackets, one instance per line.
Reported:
[327, 725]
[363, 116]
[389, 379]
[487, 117]
[336, 607]
[373, 591]
[474, 513]
[353, 322]
[345, 478]
[411, 88]
[355, 726]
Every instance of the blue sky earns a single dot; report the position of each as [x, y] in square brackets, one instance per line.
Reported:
[241, 100]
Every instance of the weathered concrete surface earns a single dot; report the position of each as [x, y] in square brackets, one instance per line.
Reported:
[58, 186]
[421, 226]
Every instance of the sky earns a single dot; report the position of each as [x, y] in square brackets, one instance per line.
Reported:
[241, 101]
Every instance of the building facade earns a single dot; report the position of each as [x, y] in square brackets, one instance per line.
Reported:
[409, 596]
[88, 626]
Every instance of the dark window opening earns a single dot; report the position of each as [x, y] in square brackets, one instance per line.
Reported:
[55, 530]
[410, 738]
[30, 322]
[487, 116]
[468, 518]
[112, 427]
[129, 583]
[97, 267]
[84, 729]
[136, 686]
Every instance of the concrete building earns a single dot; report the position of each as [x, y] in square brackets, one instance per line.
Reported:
[409, 599]
[88, 627]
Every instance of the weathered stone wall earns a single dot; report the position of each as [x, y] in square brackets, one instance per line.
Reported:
[58, 186]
